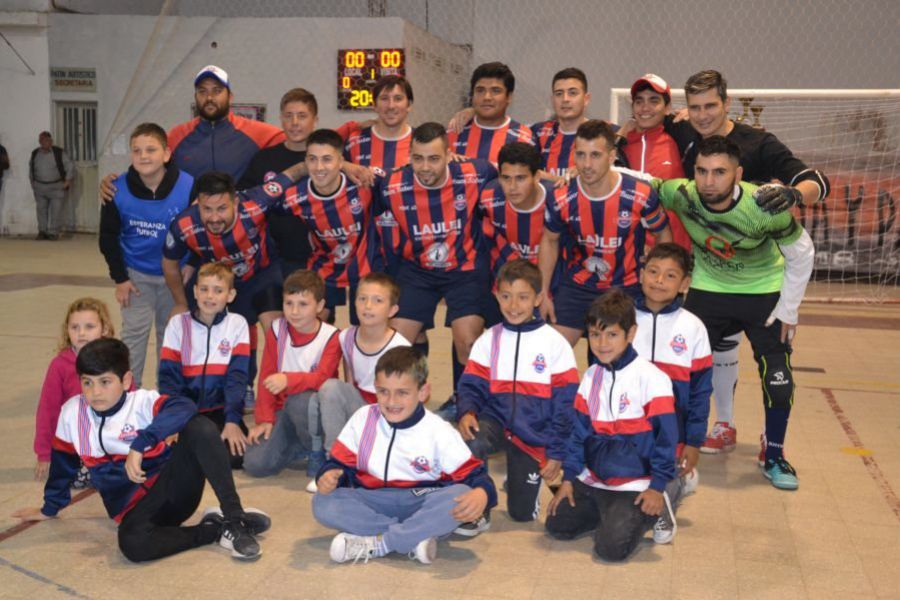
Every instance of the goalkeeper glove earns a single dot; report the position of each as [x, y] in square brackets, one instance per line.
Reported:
[775, 198]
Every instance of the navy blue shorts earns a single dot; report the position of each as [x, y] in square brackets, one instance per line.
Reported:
[260, 294]
[572, 301]
[465, 292]
[335, 297]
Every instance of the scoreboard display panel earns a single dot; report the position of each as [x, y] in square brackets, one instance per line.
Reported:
[358, 70]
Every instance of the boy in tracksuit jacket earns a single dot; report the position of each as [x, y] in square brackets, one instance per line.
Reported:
[148, 487]
[206, 357]
[675, 340]
[517, 393]
[399, 477]
[621, 454]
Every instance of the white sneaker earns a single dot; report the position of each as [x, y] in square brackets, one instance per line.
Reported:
[690, 482]
[666, 526]
[346, 546]
[311, 487]
[425, 551]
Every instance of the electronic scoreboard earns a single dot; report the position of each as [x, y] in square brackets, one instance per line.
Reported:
[358, 70]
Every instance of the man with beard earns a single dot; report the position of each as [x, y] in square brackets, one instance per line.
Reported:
[750, 274]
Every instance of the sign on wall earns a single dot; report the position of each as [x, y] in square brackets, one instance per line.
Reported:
[73, 79]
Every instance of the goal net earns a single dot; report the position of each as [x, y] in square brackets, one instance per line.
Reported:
[853, 136]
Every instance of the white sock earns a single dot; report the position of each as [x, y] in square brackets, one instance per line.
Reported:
[724, 380]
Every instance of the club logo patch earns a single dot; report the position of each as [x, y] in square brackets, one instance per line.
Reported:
[170, 240]
[624, 219]
[128, 433]
[539, 364]
[269, 176]
[624, 403]
[421, 465]
[678, 344]
[460, 202]
[224, 347]
[272, 189]
[356, 206]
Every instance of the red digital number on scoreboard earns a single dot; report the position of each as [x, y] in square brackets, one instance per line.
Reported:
[358, 70]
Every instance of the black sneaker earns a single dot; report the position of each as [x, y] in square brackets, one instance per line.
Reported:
[255, 520]
[473, 528]
[237, 538]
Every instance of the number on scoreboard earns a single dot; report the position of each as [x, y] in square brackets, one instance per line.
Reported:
[358, 70]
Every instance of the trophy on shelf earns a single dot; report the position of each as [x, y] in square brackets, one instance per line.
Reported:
[747, 104]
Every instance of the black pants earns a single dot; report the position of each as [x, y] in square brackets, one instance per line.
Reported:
[724, 314]
[523, 471]
[218, 418]
[152, 528]
[618, 524]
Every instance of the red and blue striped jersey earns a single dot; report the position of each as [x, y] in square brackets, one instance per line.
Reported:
[508, 232]
[246, 247]
[607, 234]
[340, 228]
[478, 141]
[557, 147]
[365, 147]
[439, 228]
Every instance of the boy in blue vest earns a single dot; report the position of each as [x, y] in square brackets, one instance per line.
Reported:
[132, 233]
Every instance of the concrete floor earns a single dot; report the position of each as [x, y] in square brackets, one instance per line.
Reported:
[838, 536]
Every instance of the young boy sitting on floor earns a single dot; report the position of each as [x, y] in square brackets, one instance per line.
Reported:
[399, 477]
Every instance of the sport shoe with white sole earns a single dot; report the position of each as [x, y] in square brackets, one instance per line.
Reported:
[690, 481]
[780, 472]
[311, 487]
[237, 538]
[255, 520]
[665, 527]
[346, 546]
[473, 528]
[425, 551]
[723, 438]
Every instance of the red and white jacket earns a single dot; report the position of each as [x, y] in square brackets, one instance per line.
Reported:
[307, 359]
[361, 366]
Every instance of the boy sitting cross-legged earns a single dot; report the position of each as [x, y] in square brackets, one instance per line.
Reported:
[399, 477]
[147, 486]
[621, 454]
[517, 393]
[301, 353]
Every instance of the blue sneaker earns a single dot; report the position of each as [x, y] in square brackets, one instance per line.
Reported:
[314, 462]
[780, 472]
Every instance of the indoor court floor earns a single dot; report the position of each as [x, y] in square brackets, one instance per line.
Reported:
[838, 536]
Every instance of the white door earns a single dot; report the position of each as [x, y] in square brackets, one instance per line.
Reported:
[76, 131]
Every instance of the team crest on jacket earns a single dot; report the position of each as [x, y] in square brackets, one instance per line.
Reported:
[270, 175]
[356, 206]
[272, 189]
[460, 202]
[421, 465]
[224, 347]
[539, 364]
[678, 344]
[128, 433]
[624, 219]
[624, 402]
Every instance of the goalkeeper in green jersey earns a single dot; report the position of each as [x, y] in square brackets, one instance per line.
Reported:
[751, 270]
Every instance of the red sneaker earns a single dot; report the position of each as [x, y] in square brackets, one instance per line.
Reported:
[723, 438]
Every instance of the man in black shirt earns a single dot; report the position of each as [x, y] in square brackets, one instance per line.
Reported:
[299, 116]
[786, 181]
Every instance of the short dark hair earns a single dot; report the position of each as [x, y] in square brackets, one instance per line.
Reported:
[521, 269]
[213, 183]
[300, 95]
[428, 132]
[384, 280]
[104, 355]
[151, 130]
[404, 360]
[389, 82]
[494, 70]
[520, 153]
[717, 144]
[303, 281]
[595, 128]
[570, 73]
[326, 137]
[706, 80]
[676, 252]
[614, 307]
[44, 134]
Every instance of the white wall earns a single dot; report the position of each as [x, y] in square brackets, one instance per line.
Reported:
[25, 99]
